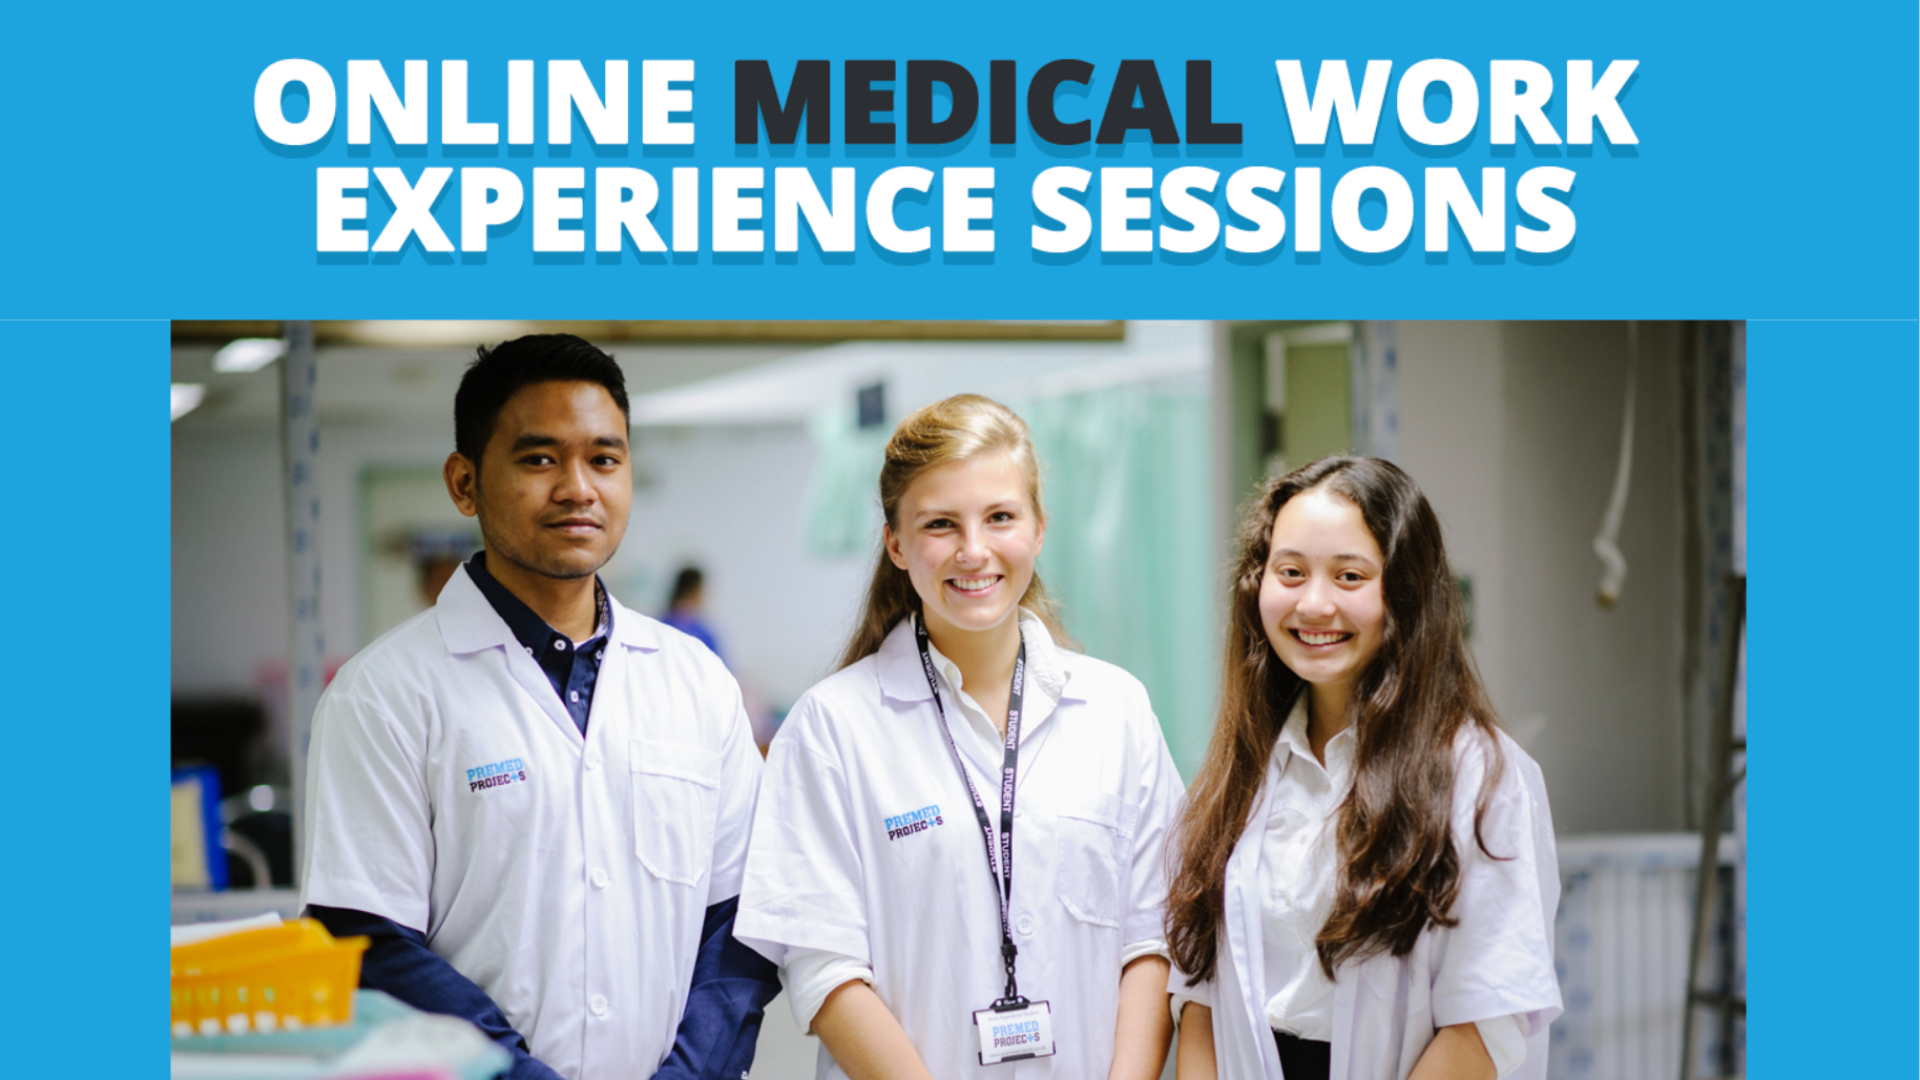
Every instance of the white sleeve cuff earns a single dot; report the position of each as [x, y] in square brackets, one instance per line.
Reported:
[1138, 949]
[1505, 1038]
[811, 974]
[1199, 994]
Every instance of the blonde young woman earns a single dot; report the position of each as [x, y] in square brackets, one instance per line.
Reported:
[957, 856]
[1365, 881]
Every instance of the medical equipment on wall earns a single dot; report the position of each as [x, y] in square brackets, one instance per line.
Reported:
[1607, 543]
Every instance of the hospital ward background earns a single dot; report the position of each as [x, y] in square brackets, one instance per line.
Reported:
[1589, 476]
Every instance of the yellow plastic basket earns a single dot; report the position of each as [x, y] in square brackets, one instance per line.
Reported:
[276, 978]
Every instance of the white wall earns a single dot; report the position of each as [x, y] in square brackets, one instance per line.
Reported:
[1513, 430]
[229, 545]
[1453, 442]
[732, 500]
[229, 562]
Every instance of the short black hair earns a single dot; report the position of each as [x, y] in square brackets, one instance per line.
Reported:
[498, 373]
[687, 582]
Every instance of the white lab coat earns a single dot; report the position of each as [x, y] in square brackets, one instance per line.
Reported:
[1498, 961]
[1095, 794]
[450, 791]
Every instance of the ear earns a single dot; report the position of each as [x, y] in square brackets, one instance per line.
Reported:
[463, 483]
[891, 540]
[1039, 536]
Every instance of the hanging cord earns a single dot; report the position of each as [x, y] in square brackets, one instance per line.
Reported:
[1607, 543]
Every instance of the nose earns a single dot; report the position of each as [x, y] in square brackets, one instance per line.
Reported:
[575, 483]
[1316, 599]
[973, 547]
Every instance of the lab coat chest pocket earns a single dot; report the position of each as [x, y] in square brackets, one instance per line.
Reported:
[1093, 831]
[676, 797]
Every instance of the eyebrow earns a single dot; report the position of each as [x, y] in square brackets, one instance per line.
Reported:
[1291, 553]
[532, 440]
[956, 513]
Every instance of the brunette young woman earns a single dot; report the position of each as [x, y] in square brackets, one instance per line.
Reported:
[1363, 875]
[958, 853]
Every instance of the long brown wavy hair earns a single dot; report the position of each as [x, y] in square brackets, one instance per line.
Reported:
[1398, 870]
[960, 428]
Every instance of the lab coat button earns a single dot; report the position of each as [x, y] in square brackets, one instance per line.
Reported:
[599, 879]
[597, 1005]
[1024, 924]
[593, 759]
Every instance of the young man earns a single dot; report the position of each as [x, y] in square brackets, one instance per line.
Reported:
[534, 800]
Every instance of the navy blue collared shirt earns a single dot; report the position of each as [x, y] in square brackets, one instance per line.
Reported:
[573, 669]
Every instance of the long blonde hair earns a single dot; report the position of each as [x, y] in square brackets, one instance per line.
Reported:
[961, 428]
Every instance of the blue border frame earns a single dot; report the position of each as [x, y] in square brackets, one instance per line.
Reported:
[1776, 179]
[1832, 475]
[86, 650]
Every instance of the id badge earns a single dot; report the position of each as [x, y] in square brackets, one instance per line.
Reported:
[1010, 1033]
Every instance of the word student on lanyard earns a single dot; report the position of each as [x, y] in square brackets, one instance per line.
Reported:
[1012, 1028]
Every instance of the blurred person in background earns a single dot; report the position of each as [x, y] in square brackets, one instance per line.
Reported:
[683, 607]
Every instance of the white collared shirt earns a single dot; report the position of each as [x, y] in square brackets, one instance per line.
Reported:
[1299, 863]
[865, 847]
[1494, 969]
[1299, 860]
[1045, 680]
[567, 875]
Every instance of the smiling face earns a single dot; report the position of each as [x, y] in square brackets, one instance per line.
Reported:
[554, 483]
[1321, 599]
[967, 534]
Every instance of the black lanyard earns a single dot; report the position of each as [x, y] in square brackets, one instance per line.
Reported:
[1003, 883]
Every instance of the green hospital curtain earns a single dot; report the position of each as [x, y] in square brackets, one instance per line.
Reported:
[843, 493]
[1129, 549]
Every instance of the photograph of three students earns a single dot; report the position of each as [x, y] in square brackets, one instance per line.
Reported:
[1084, 699]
